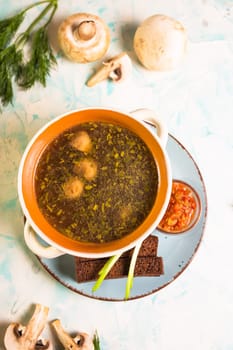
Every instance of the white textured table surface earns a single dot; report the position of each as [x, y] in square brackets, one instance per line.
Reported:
[194, 312]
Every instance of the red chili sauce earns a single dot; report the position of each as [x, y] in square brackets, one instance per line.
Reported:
[182, 210]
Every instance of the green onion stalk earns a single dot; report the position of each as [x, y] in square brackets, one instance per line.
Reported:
[109, 264]
[96, 341]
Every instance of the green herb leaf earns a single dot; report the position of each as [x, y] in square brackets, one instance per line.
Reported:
[11, 57]
[38, 67]
[8, 28]
[10, 60]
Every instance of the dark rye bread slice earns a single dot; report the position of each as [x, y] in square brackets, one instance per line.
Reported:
[147, 264]
[149, 247]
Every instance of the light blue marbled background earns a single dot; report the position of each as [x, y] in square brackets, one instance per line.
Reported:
[195, 311]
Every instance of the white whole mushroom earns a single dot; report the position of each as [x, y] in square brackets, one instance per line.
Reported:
[160, 43]
[84, 37]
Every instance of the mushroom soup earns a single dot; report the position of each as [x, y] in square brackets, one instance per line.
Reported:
[96, 182]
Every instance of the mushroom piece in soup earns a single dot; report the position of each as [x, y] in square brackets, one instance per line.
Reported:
[87, 168]
[81, 141]
[73, 188]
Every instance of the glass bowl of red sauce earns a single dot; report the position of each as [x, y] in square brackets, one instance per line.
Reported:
[183, 211]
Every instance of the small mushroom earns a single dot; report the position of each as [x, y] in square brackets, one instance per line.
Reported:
[73, 188]
[18, 337]
[82, 141]
[118, 68]
[87, 168]
[84, 37]
[82, 341]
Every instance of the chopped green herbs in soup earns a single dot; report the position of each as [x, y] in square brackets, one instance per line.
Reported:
[96, 182]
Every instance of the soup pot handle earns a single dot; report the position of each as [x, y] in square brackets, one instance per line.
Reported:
[149, 116]
[38, 248]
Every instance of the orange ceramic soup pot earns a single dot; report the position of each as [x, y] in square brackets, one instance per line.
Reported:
[37, 227]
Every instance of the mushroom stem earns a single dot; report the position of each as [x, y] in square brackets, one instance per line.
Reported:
[37, 323]
[117, 68]
[85, 31]
[64, 338]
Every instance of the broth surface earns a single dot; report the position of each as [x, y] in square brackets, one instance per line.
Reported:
[96, 182]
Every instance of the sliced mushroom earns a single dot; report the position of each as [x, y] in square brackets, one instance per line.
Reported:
[84, 37]
[118, 68]
[82, 341]
[18, 337]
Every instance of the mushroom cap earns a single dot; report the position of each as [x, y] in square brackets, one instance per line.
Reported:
[14, 341]
[10, 339]
[160, 43]
[84, 37]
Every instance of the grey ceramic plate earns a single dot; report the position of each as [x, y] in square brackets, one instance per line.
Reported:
[177, 250]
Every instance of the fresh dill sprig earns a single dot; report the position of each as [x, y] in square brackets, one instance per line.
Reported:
[38, 67]
[13, 64]
[8, 28]
[9, 65]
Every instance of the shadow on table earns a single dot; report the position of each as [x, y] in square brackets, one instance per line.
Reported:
[127, 35]
[61, 268]
[3, 327]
